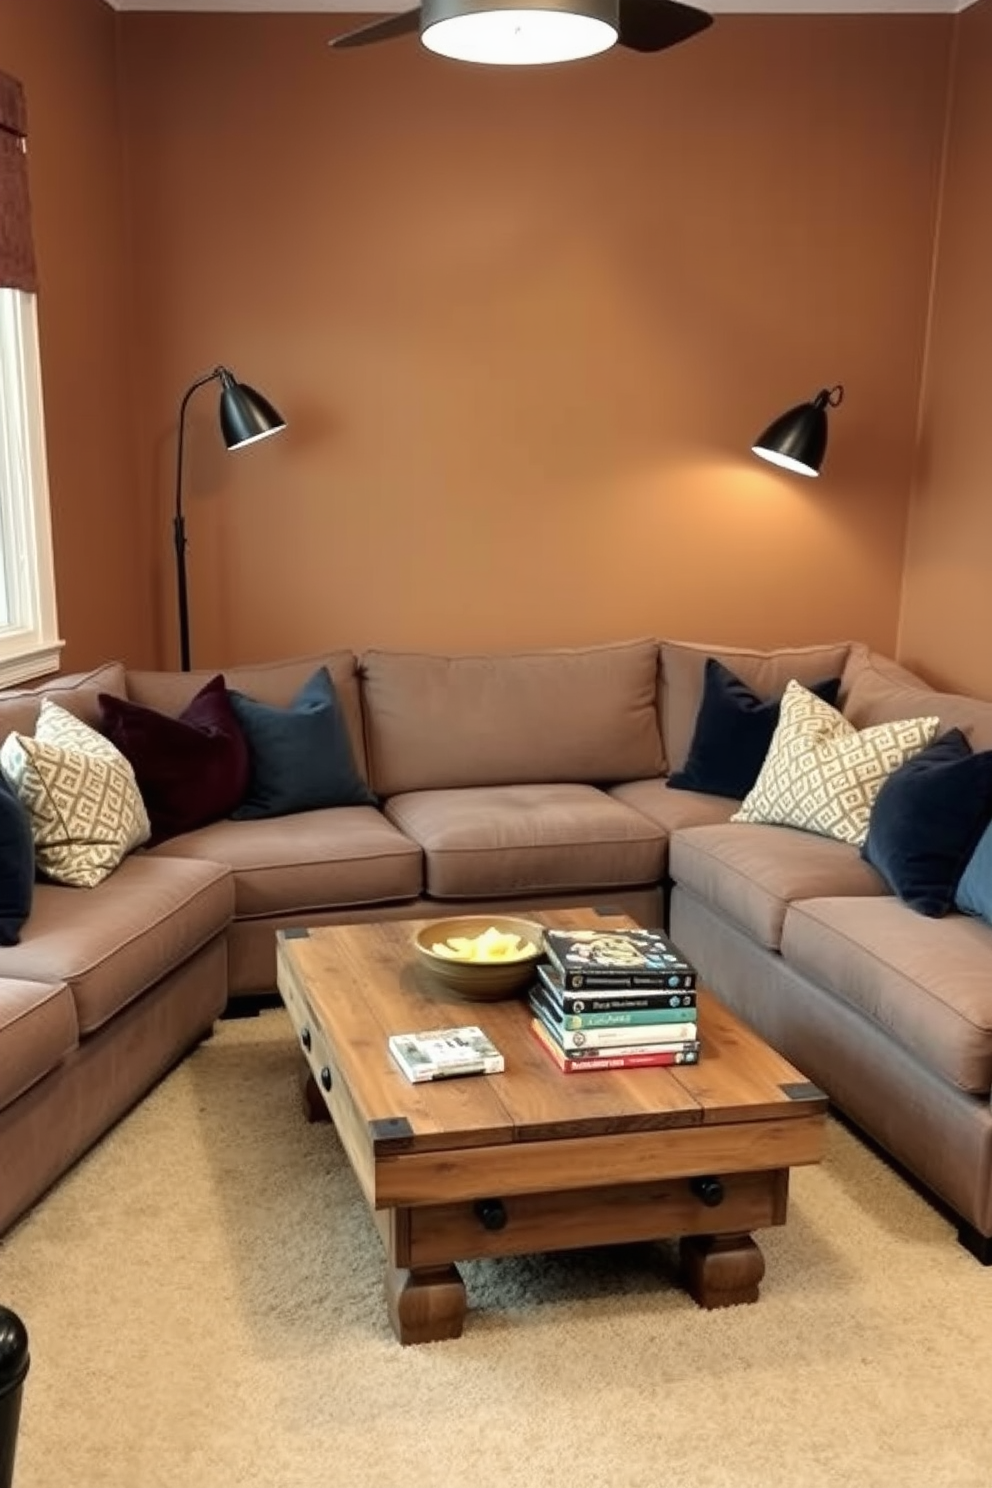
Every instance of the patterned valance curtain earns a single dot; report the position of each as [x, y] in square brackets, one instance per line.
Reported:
[17, 267]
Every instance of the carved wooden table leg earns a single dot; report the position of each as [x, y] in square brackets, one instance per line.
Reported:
[721, 1270]
[425, 1305]
[314, 1105]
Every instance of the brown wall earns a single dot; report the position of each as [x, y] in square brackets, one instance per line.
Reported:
[64, 51]
[524, 325]
[947, 607]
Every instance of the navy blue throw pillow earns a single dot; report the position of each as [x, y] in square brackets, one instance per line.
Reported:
[734, 728]
[927, 820]
[16, 866]
[300, 757]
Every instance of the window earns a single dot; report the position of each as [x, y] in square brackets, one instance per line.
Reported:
[29, 644]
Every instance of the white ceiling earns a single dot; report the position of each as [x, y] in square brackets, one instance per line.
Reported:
[763, 7]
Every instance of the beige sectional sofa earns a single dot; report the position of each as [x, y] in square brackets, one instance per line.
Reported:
[536, 779]
[888, 1010]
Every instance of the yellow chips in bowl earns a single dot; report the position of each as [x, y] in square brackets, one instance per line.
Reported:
[481, 957]
[491, 945]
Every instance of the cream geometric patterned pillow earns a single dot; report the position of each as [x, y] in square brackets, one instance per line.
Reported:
[821, 774]
[80, 792]
[57, 726]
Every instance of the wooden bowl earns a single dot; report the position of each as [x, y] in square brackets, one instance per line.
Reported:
[480, 981]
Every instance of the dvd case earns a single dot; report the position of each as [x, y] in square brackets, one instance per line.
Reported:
[439, 1053]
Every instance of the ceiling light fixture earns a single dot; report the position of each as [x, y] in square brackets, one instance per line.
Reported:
[515, 33]
[502, 32]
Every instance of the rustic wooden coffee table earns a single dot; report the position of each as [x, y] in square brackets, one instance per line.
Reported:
[535, 1160]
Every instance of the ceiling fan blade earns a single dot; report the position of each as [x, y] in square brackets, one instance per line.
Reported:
[384, 30]
[652, 25]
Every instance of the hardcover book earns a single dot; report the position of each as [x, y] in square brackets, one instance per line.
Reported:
[606, 1036]
[636, 1004]
[572, 1063]
[440, 1053]
[635, 958]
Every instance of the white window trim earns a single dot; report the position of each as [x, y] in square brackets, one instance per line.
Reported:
[29, 646]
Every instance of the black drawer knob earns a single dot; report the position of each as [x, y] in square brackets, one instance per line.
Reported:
[305, 1039]
[491, 1214]
[708, 1190]
[325, 1078]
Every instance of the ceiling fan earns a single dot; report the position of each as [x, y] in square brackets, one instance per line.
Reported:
[513, 32]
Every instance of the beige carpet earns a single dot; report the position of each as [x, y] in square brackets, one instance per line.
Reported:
[203, 1295]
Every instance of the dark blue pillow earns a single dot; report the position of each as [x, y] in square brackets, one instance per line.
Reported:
[16, 865]
[300, 757]
[927, 819]
[974, 892]
[734, 728]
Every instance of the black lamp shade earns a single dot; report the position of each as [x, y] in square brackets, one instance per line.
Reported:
[245, 415]
[797, 440]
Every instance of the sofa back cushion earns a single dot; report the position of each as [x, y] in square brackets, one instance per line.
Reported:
[275, 683]
[876, 690]
[525, 718]
[683, 665]
[76, 692]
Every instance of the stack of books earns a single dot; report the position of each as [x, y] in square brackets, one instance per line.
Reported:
[614, 999]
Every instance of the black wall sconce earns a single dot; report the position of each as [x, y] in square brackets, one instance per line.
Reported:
[797, 440]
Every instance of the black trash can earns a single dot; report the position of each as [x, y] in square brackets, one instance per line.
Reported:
[14, 1362]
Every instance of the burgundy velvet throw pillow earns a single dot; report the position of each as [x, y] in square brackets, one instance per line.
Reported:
[190, 770]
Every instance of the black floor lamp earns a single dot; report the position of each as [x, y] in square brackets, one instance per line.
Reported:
[14, 1362]
[245, 416]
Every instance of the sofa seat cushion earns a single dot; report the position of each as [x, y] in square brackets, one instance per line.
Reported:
[38, 1028]
[672, 809]
[314, 859]
[523, 839]
[112, 942]
[927, 982]
[751, 872]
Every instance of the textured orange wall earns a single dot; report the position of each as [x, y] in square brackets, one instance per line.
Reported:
[947, 606]
[64, 51]
[524, 325]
